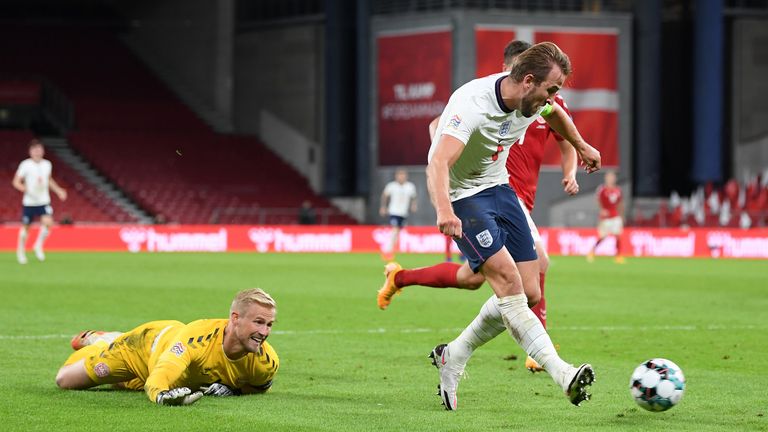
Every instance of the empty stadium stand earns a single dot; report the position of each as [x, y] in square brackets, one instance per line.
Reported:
[139, 136]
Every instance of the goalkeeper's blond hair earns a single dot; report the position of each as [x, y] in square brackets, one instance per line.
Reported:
[248, 297]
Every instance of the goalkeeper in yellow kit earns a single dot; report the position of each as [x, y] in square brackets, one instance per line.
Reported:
[176, 364]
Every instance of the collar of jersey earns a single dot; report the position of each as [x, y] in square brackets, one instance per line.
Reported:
[499, 100]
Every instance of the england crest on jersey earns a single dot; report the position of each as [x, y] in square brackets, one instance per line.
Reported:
[504, 128]
[484, 238]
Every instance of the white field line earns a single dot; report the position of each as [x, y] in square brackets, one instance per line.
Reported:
[712, 327]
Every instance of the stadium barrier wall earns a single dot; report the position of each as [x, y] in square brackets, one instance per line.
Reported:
[696, 242]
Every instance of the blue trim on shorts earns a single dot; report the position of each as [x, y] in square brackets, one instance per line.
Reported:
[490, 220]
[396, 221]
[29, 213]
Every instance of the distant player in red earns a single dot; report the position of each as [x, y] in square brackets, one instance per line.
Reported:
[523, 164]
[611, 219]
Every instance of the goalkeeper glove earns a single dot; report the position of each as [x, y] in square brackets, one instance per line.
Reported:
[218, 389]
[178, 396]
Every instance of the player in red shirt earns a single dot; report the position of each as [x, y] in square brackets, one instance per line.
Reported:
[523, 164]
[611, 220]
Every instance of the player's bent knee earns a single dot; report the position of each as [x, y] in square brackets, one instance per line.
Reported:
[467, 279]
[62, 380]
[474, 282]
[505, 286]
[473, 286]
[503, 275]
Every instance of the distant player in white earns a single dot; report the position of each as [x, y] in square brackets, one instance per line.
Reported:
[34, 180]
[397, 200]
[468, 185]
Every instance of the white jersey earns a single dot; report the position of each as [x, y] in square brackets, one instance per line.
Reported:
[400, 196]
[36, 177]
[476, 116]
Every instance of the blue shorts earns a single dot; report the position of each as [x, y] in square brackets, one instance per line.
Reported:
[396, 221]
[490, 220]
[29, 213]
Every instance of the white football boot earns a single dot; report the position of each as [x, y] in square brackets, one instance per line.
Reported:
[449, 376]
[575, 382]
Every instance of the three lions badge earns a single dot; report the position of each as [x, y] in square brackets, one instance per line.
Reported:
[485, 239]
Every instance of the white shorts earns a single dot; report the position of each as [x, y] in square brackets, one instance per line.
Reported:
[610, 226]
[534, 231]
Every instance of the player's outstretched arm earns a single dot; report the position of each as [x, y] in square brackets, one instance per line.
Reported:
[166, 372]
[559, 120]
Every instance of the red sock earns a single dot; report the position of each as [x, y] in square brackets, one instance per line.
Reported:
[540, 310]
[618, 245]
[448, 253]
[437, 276]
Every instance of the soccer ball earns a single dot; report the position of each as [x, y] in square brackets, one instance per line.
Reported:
[657, 384]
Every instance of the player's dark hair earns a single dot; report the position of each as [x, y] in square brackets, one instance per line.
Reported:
[538, 61]
[34, 142]
[513, 49]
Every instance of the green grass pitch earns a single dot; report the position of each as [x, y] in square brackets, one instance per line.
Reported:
[347, 366]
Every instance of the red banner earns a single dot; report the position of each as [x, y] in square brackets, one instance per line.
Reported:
[697, 242]
[414, 84]
[591, 91]
[489, 49]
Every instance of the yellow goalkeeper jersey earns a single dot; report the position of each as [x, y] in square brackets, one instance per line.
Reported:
[192, 356]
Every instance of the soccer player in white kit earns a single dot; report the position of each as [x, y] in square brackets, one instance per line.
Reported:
[523, 163]
[34, 180]
[468, 185]
[397, 200]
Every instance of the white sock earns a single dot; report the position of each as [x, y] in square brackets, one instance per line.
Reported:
[392, 240]
[486, 326]
[107, 337]
[527, 330]
[41, 237]
[22, 239]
